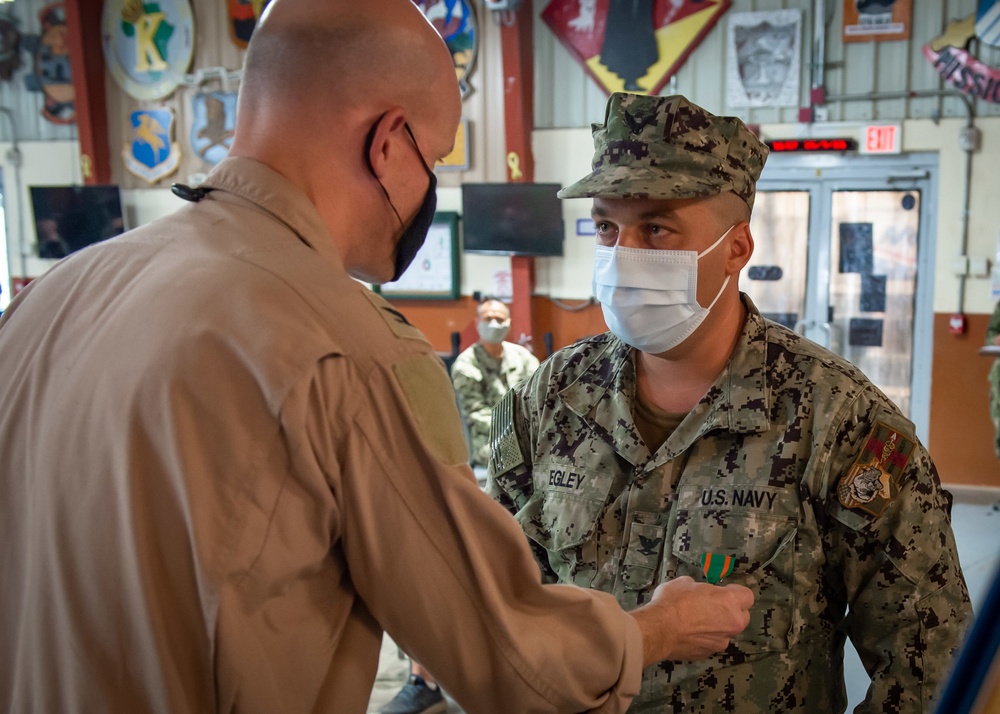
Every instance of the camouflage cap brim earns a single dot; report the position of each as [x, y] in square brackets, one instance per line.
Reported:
[669, 148]
[640, 182]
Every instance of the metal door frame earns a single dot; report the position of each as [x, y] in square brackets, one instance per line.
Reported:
[822, 174]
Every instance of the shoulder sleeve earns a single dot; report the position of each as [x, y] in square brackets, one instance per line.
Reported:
[446, 571]
[505, 449]
[890, 537]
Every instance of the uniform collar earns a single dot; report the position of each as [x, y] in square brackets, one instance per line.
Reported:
[262, 186]
[604, 394]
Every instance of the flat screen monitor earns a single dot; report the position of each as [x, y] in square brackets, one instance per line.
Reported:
[512, 219]
[68, 218]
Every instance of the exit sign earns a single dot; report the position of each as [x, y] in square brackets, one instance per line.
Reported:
[882, 139]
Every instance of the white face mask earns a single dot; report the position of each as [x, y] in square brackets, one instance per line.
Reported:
[493, 331]
[650, 297]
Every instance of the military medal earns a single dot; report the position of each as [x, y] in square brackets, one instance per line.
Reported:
[873, 480]
[716, 566]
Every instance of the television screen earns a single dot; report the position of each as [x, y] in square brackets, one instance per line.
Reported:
[512, 218]
[68, 218]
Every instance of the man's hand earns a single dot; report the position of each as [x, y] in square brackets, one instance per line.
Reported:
[686, 620]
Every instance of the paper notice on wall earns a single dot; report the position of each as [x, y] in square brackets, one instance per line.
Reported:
[503, 286]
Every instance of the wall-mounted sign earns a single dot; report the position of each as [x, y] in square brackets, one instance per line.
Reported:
[881, 20]
[882, 139]
[632, 46]
[763, 59]
[458, 159]
[455, 21]
[10, 46]
[50, 66]
[148, 46]
[152, 154]
[953, 62]
[213, 124]
[785, 146]
[243, 18]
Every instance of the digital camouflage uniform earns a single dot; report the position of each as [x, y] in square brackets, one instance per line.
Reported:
[751, 473]
[480, 381]
[793, 476]
[991, 333]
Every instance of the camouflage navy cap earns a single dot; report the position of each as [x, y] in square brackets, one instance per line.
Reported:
[667, 147]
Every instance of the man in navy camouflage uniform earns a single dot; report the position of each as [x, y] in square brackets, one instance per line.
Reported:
[698, 438]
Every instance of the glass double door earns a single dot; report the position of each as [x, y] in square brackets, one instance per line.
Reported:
[843, 255]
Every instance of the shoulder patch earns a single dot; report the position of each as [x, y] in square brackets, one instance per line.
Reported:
[872, 482]
[505, 452]
[431, 400]
[396, 320]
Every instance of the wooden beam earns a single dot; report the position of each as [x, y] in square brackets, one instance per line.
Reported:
[83, 26]
[519, 121]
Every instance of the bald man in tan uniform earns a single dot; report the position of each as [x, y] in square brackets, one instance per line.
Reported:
[226, 466]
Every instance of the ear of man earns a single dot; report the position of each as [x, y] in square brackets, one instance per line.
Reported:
[740, 248]
[389, 127]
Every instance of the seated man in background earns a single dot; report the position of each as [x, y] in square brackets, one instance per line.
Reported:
[484, 372]
[698, 438]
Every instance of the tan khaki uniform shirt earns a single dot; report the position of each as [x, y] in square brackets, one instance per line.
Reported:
[793, 476]
[480, 381]
[226, 467]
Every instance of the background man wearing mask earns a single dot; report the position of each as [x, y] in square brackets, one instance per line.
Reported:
[697, 438]
[484, 372]
[481, 374]
[226, 466]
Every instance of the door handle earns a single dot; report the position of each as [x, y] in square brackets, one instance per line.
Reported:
[802, 325]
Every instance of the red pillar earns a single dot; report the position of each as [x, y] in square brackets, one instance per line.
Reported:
[83, 26]
[519, 120]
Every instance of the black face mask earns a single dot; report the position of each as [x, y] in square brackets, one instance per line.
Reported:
[414, 234]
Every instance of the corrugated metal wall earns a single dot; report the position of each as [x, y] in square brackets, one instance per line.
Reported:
[26, 106]
[565, 96]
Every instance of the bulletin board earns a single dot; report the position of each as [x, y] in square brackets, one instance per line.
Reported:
[433, 274]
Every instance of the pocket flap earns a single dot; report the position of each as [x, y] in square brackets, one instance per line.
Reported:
[752, 540]
[557, 520]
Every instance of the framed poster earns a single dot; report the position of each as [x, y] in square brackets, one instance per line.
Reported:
[433, 274]
[762, 68]
[885, 20]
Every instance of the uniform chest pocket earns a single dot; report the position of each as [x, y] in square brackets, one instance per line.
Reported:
[750, 549]
[559, 521]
